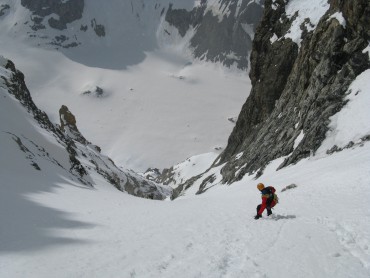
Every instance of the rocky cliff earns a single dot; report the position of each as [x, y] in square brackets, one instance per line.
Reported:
[223, 30]
[299, 82]
[61, 12]
[304, 59]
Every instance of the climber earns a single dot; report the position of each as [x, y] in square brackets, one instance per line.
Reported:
[269, 200]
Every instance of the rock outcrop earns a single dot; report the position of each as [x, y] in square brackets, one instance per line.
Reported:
[69, 127]
[4, 8]
[297, 87]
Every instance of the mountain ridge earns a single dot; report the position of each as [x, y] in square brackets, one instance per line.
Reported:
[328, 60]
[135, 27]
[84, 159]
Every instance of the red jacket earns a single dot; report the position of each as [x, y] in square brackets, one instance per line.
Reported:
[266, 194]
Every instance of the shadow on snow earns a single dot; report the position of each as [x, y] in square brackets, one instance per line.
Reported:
[277, 217]
[27, 226]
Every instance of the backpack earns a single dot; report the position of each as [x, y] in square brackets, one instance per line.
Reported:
[270, 191]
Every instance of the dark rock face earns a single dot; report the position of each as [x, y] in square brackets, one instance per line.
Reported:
[67, 11]
[183, 19]
[296, 90]
[222, 38]
[4, 9]
[59, 14]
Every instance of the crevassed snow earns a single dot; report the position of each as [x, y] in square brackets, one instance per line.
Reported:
[313, 10]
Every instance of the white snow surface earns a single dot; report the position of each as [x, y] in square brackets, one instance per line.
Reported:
[298, 139]
[319, 229]
[274, 38]
[52, 225]
[192, 166]
[313, 10]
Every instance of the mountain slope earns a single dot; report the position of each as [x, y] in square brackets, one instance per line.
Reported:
[123, 120]
[116, 34]
[295, 93]
[64, 148]
[319, 229]
[54, 223]
[309, 92]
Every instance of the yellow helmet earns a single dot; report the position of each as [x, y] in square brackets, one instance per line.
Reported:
[260, 186]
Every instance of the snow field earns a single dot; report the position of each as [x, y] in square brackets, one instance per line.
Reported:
[129, 122]
[319, 229]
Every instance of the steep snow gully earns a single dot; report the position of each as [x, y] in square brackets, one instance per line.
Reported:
[319, 229]
[54, 225]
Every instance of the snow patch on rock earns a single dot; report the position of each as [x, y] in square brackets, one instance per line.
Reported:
[339, 16]
[313, 10]
[352, 122]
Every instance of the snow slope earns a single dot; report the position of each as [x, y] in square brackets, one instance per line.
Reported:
[61, 149]
[319, 229]
[51, 224]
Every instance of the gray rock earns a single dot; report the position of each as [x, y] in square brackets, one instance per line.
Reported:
[98, 92]
[99, 29]
[288, 187]
[69, 127]
[4, 8]
[67, 11]
[227, 40]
